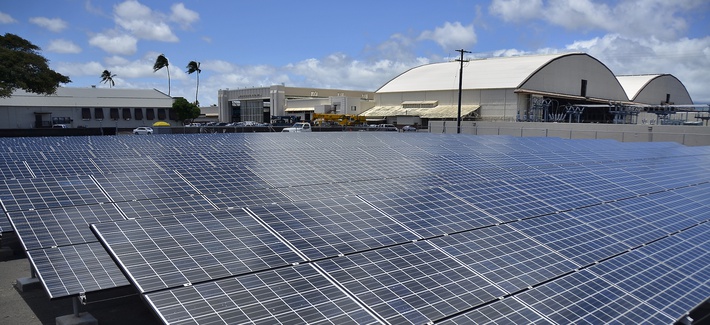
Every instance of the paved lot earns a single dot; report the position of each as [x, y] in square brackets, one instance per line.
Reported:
[34, 307]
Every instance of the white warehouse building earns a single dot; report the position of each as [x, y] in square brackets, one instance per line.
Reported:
[508, 89]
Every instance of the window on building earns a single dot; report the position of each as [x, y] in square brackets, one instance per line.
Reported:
[353, 108]
[138, 113]
[149, 114]
[114, 114]
[85, 113]
[172, 114]
[126, 114]
[161, 113]
[583, 90]
[99, 113]
[61, 120]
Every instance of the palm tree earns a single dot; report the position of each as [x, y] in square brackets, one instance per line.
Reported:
[162, 62]
[194, 66]
[107, 77]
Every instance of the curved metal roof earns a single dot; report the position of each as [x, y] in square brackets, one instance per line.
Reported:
[490, 73]
[634, 84]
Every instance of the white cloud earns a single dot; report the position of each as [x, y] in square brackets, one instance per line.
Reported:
[116, 60]
[53, 24]
[686, 59]
[451, 36]
[6, 19]
[142, 22]
[63, 46]
[183, 16]
[73, 69]
[115, 44]
[516, 10]
[638, 18]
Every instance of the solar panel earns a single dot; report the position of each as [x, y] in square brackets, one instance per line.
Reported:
[501, 200]
[573, 238]
[5, 225]
[330, 227]
[582, 297]
[505, 257]
[222, 180]
[12, 169]
[411, 283]
[244, 198]
[430, 212]
[63, 167]
[144, 185]
[168, 252]
[369, 227]
[49, 192]
[165, 206]
[292, 295]
[70, 270]
[61, 226]
[505, 311]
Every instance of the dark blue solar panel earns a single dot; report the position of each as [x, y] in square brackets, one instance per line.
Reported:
[573, 238]
[246, 198]
[47, 193]
[292, 295]
[430, 212]
[165, 206]
[5, 225]
[169, 252]
[70, 270]
[411, 283]
[61, 226]
[505, 257]
[330, 227]
[144, 185]
[501, 200]
[582, 297]
[506, 311]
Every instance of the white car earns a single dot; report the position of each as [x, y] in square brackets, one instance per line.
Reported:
[143, 130]
[298, 127]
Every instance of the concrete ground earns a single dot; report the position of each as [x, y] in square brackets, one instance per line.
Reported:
[34, 307]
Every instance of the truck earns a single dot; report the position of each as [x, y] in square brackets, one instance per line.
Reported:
[337, 119]
[298, 127]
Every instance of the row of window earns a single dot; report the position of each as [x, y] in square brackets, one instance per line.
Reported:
[126, 113]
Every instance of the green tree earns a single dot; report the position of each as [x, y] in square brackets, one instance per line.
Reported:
[185, 110]
[107, 77]
[194, 66]
[22, 67]
[162, 62]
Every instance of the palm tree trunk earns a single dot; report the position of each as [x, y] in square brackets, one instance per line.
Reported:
[198, 87]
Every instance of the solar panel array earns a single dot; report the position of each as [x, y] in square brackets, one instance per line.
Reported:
[367, 228]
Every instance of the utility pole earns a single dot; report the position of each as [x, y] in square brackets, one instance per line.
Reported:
[458, 119]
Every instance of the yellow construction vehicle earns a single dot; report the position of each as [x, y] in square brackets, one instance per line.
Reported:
[337, 119]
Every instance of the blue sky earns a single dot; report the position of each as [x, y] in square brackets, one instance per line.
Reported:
[356, 45]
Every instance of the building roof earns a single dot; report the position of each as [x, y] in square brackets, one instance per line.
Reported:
[438, 112]
[90, 97]
[490, 73]
[634, 84]
[652, 89]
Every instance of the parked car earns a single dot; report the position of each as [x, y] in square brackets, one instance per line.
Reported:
[143, 130]
[409, 128]
[386, 127]
[60, 126]
[298, 127]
